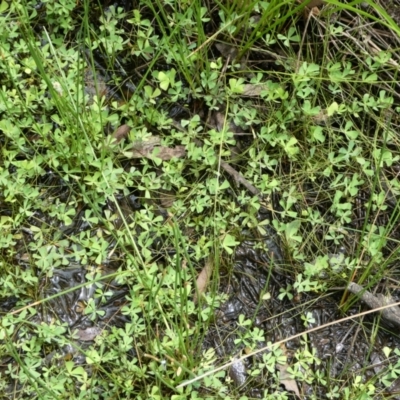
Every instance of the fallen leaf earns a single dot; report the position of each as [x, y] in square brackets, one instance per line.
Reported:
[88, 334]
[285, 378]
[230, 53]
[95, 84]
[252, 90]
[219, 122]
[312, 7]
[150, 148]
[121, 133]
[226, 50]
[202, 280]
[167, 198]
[287, 381]
[166, 153]
[313, 3]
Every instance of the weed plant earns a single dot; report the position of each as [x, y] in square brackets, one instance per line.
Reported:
[307, 112]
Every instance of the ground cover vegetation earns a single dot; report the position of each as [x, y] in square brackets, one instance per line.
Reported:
[188, 189]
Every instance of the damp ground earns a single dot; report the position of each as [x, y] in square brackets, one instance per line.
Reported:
[199, 200]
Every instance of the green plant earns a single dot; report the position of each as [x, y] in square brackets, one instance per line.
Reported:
[312, 133]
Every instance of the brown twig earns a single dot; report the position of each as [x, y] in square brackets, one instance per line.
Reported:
[391, 315]
[263, 349]
[239, 178]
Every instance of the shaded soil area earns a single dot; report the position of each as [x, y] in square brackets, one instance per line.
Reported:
[252, 281]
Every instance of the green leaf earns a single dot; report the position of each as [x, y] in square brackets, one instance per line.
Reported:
[309, 110]
[309, 69]
[332, 109]
[164, 80]
[351, 134]
[290, 147]
[369, 78]
[236, 85]
[228, 243]
[318, 134]
[3, 6]
[291, 231]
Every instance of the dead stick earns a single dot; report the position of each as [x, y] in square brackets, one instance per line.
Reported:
[239, 178]
[268, 347]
